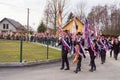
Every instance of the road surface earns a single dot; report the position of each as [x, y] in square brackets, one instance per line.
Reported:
[108, 71]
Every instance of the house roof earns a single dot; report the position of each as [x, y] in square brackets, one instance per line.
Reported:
[79, 25]
[16, 24]
[72, 21]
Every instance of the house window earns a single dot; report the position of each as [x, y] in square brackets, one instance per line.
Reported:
[3, 26]
[7, 26]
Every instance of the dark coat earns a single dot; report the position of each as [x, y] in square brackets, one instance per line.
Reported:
[68, 41]
[116, 47]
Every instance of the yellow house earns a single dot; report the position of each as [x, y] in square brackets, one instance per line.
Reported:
[69, 25]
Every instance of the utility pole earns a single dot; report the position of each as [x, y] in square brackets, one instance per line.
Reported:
[28, 35]
[47, 34]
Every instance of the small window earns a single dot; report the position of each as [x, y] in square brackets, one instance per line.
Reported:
[7, 26]
[3, 26]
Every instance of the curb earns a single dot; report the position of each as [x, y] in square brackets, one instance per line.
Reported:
[27, 64]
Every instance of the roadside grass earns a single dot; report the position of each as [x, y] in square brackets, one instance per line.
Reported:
[10, 51]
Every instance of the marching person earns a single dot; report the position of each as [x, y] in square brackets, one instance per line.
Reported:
[102, 44]
[93, 50]
[112, 41]
[116, 47]
[79, 53]
[65, 51]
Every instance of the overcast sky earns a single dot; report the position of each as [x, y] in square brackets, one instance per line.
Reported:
[17, 9]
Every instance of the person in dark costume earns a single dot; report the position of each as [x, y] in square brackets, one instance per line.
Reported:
[102, 44]
[93, 52]
[111, 42]
[116, 47]
[79, 43]
[65, 51]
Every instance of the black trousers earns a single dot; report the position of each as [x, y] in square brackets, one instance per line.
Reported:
[92, 62]
[65, 60]
[92, 59]
[116, 54]
[103, 55]
[78, 68]
[111, 51]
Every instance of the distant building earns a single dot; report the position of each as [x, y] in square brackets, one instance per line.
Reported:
[11, 29]
[79, 25]
[10, 25]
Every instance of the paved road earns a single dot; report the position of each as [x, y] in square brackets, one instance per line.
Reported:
[109, 71]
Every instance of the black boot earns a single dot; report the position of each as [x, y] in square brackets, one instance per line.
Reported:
[67, 68]
[61, 68]
[76, 71]
[102, 62]
[94, 69]
[91, 70]
[79, 69]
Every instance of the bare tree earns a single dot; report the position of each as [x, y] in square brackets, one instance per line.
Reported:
[115, 19]
[109, 16]
[100, 13]
[51, 11]
[80, 10]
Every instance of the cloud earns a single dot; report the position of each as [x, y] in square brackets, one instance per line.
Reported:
[17, 10]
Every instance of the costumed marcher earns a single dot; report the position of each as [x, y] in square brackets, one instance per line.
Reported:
[116, 47]
[111, 42]
[93, 52]
[102, 44]
[65, 44]
[79, 51]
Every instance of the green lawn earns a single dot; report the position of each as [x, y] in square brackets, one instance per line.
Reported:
[10, 51]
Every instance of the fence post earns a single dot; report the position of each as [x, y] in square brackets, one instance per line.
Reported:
[21, 51]
[47, 48]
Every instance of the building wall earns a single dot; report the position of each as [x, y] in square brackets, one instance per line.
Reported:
[11, 27]
[80, 26]
[70, 25]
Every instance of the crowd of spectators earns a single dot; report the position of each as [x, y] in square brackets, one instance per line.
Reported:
[43, 38]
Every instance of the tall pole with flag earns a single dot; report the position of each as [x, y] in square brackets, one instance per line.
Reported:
[60, 22]
[96, 30]
[86, 32]
[64, 43]
[74, 30]
[59, 18]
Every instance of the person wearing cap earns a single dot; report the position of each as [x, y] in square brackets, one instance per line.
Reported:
[116, 47]
[65, 51]
[103, 43]
[111, 43]
[93, 53]
[79, 43]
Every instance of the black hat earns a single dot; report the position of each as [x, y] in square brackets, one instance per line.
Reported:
[103, 35]
[94, 40]
[66, 31]
[79, 33]
[92, 35]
